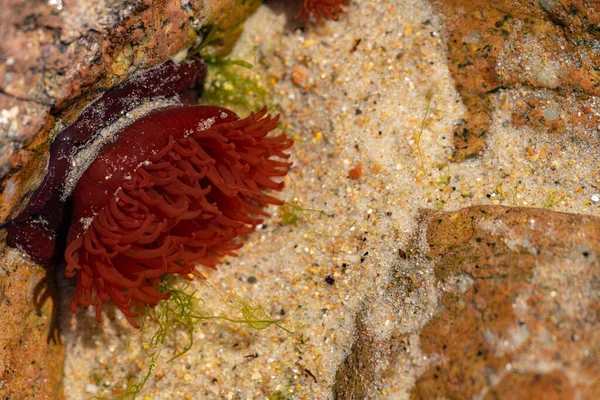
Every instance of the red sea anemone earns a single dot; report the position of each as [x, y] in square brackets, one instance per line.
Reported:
[329, 9]
[174, 190]
[166, 190]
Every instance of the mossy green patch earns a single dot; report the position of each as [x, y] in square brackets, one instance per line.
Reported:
[290, 211]
[232, 84]
[279, 395]
[230, 18]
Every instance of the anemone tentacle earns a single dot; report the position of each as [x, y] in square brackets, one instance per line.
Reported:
[184, 206]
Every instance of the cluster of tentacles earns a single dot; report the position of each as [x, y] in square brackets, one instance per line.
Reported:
[329, 9]
[146, 183]
[181, 207]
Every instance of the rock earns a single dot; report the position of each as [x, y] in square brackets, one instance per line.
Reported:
[517, 318]
[519, 313]
[544, 50]
[31, 354]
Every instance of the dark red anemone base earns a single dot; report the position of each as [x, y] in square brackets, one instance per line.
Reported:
[174, 190]
[329, 9]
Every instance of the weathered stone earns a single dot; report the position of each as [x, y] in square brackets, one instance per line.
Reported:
[520, 310]
[546, 49]
[360, 373]
[31, 355]
[550, 386]
[517, 318]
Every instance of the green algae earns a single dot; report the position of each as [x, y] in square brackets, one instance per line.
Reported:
[183, 311]
[231, 84]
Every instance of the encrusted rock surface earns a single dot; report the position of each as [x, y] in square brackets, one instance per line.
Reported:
[31, 354]
[519, 315]
[545, 49]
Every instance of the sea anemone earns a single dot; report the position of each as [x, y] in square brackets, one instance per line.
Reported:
[174, 190]
[145, 184]
[329, 9]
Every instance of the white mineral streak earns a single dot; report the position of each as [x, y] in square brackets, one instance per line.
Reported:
[81, 159]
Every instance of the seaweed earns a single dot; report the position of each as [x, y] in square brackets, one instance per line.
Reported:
[230, 85]
[184, 310]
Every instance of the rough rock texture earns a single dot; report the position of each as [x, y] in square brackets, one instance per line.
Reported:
[520, 309]
[31, 355]
[515, 320]
[546, 49]
[57, 56]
